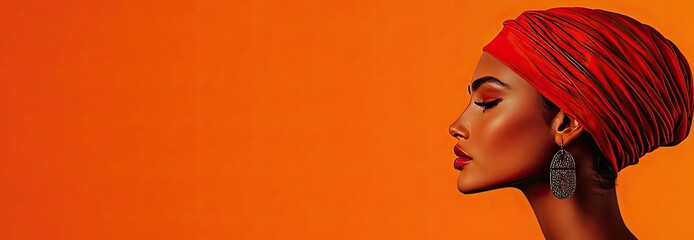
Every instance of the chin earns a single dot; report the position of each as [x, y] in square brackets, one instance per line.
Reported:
[466, 190]
[467, 185]
[471, 185]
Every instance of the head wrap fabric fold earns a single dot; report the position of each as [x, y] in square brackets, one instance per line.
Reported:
[626, 84]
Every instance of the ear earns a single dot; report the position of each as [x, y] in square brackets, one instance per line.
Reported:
[565, 127]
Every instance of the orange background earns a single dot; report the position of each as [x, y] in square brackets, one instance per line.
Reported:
[272, 120]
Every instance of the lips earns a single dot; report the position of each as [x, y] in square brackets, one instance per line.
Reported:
[463, 158]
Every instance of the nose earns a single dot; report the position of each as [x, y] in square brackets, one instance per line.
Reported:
[458, 129]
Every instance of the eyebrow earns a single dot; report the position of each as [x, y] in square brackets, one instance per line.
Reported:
[484, 80]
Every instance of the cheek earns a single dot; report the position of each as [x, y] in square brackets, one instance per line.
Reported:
[514, 140]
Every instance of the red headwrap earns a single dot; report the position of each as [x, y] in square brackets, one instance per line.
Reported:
[626, 84]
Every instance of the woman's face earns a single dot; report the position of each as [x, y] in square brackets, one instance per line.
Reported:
[510, 141]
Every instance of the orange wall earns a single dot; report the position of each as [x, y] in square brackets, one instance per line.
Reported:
[272, 120]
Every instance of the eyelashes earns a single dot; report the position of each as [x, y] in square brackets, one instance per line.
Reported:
[487, 105]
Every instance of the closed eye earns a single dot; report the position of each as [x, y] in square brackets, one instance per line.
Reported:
[488, 105]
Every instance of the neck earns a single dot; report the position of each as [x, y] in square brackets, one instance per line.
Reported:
[590, 213]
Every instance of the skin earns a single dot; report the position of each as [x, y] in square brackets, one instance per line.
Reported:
[511, 145]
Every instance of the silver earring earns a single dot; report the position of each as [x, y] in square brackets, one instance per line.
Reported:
[562, 173]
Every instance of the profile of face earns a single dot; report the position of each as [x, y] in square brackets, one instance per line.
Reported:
[503, 130]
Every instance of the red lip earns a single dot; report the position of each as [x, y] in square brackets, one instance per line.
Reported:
[463, 158]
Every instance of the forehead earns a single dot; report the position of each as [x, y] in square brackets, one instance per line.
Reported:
[488, 65]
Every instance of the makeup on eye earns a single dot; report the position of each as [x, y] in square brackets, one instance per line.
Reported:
[489, 88]
[488, 104]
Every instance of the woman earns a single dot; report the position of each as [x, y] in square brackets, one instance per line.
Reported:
[563, 100]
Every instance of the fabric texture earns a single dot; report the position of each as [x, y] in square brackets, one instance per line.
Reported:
[626, 84]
